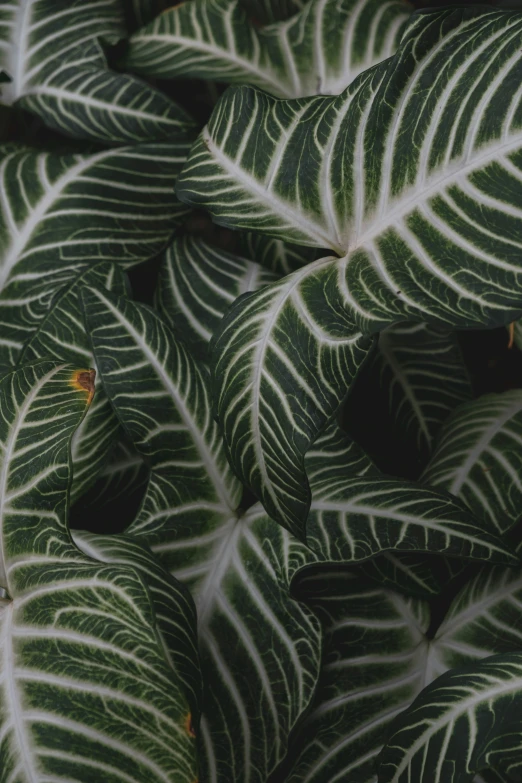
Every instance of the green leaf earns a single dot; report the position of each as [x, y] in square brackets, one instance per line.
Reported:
[320, 50]
[374, 665]
[53, 55]
[260, 650]
[268, 11]
[467, 720]
[173, 606]
[357, 513]
[281, 370]
[325, 172]
[478, 458]
[422, 378]
[61, 335]
[274, 254]
[61, 211]
[83, 672]
[197, 283]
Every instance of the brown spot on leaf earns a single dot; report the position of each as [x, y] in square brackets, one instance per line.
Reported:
[189, 727]
[83, 380]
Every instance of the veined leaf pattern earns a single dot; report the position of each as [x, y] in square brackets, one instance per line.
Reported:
[78, 636]
[261, 665]
[318, 51]
[407, 215]
[478, 457]
[59, 212]
[51, 50]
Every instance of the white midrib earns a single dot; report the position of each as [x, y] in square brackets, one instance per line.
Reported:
[188, 420]
[24, 234]
[480, 446]
[18, 51]
[12, 434]
[13, 701]
[222, 557]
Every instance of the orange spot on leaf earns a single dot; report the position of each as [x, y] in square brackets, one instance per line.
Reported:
[83, 380]
[511, 335]
[189, 727]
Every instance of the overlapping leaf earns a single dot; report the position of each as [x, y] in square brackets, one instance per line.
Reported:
[83, 673]
[61, 335]
[478, 457]
[260, 650]
[197, 283]
[422, 378]
[417, 190]
[357, 513]
[466, 720]
[59, 212]
[52, 52]
[274, 254]
[317, 51]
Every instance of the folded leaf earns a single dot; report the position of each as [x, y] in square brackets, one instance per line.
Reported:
[281, 369]
[320, 50]
[83, 673]
[61, 211]
[478, 458]
[466, 720]
[52, 53]
[197, 283]
[61, 335]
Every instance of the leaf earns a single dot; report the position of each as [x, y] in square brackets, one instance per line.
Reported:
[466, 720]
[83, 672]
[197, 283]
[260, 651]
[173, 606]
[268, 11]
[320, 50]
[324, 172]
[373, 667]
[281, 368]
[57, 69]
[274, 254]
[61, 211]
[422, 378]
[477, 458]
[357, 513]
[61, 335]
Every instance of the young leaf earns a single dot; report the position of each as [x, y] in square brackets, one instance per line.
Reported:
[422, 378]
[468, 719]
[478, 458]
[320, 50]
[60, 211]
[61, 335]
[412, 235]
[274, 254]
[83, 673]
[197, 283]
[281, 370]
[53, 57]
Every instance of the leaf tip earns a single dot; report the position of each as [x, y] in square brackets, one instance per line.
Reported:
[83, 380]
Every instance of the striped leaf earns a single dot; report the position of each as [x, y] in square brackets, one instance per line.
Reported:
[357, 513]
[59, 212]
[478, 458]
[197, 283]
[173, 607]
[281, 369]
[318, 51]
[83, 672]
[260, 650]
[427, 226]
[61, 335]
[422, 378]
[275, 254]
[379, 656]
[51, 51]
[467, 720]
